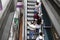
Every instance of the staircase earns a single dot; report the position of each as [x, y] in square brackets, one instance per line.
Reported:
[30, 14]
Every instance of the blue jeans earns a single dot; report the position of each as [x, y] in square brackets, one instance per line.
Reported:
[31, 34]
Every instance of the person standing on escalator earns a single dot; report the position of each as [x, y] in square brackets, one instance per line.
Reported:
[32, 28]
[36, 8]
[38, 26]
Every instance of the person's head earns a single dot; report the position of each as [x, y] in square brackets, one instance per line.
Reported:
[33, 22]
[37, 3]
[39, 21]
[41, 34]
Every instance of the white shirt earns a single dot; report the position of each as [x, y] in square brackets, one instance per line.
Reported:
[31, 26]
[38, 26]
[39, 37]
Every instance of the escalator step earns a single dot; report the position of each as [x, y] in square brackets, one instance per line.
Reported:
[31, 7]
[30, 14]
[31, 39]
[34, 34]
[31, 1]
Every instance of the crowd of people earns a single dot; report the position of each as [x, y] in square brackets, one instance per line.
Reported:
[35, 25]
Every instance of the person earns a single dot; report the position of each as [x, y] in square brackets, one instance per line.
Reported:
[32, 29]
[40, 37]
[36, 7]
[38, 25]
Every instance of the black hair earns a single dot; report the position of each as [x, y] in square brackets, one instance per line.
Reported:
[37, 3]
[39, 21]
[41, 33]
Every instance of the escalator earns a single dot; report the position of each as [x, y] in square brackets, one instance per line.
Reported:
[30, 14]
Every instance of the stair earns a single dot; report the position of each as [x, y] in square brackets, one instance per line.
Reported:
[30, 14]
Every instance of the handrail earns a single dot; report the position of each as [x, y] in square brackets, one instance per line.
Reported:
[25, 19]
[4, 12]
[4, 8]
[14, 29]
[4, 18]
[7, 28]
